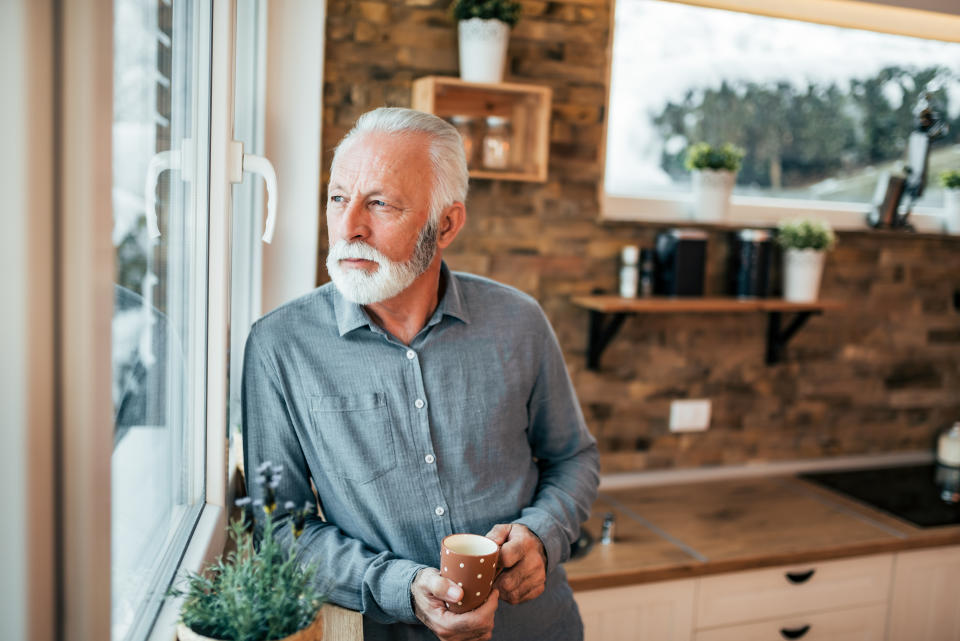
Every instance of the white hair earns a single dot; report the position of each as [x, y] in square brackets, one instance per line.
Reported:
[447, 157]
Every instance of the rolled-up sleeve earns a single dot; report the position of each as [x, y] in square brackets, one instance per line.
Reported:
[349, 573]
[566, 455]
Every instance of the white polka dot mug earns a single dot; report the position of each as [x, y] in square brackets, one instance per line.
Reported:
[472, 562]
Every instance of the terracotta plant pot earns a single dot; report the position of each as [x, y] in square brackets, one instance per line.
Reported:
[313, 632]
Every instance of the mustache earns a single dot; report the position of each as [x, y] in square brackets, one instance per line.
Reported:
[358, 249]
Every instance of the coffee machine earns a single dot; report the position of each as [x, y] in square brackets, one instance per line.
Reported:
[896, 195]
[680, 258]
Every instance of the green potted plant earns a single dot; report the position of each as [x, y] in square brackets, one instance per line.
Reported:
[714, 171]
[259, 592]
[950, 179]
[483, 28]
[804, 243]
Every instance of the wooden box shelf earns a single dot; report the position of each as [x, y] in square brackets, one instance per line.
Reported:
[527, 107]
[607, 314]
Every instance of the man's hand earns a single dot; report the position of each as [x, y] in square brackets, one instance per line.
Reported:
[523, 560]
[430, 590]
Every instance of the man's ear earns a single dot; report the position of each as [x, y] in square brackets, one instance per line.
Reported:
[451, 222]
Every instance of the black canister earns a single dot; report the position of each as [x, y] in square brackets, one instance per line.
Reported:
[748, 270]
[680, 258]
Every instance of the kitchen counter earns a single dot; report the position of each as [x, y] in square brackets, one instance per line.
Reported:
[707, 527]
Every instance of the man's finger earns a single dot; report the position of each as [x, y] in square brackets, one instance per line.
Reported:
[442, 588]
[499, 532]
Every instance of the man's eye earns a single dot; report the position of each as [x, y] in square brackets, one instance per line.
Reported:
[337, 199]
[378, 203]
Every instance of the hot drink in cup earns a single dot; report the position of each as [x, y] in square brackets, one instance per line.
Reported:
[470, 561]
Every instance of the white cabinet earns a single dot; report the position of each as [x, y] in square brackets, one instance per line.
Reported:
[743, 597]
[652, 611]
[925, 605]
[908, 596]
[852, 624]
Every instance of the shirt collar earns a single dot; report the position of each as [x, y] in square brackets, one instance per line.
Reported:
[351, 316]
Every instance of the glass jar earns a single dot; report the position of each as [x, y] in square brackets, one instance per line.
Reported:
[496, 143]
[466, 127]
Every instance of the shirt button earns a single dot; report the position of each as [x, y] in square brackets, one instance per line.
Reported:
[411, 354]
[419, 403]
[429, 458]
[439, 511]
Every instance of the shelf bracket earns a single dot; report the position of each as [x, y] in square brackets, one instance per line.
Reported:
[603, 327]
[777, 338]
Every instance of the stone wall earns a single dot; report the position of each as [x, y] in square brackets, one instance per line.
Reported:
[882, 375]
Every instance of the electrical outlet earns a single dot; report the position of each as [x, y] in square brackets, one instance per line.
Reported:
[690, 415]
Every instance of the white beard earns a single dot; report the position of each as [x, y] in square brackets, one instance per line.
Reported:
[389, 279]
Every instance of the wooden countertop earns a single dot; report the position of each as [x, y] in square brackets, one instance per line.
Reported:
[693, 529]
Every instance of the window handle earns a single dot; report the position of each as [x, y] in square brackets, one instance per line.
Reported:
[160, 163]
[174, 159]
[254, 164]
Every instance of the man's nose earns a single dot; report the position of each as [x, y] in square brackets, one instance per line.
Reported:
[354, 223]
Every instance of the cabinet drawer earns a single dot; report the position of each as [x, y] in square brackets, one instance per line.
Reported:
[774, 592]
[653, 611]
[865, 623]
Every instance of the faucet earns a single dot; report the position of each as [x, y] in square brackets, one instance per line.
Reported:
[606, 534]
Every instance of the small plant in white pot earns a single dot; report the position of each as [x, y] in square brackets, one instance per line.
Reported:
[714, 172]
[950, 179]
[483, 29]
[804, 243]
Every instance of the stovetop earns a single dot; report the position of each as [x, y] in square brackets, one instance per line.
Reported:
[907, 492]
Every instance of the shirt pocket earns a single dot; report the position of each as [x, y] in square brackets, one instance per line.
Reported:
[355, 435]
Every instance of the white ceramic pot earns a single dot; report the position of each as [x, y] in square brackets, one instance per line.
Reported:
[951, 211]
[483, 49]
[802, 271]
[711, 193]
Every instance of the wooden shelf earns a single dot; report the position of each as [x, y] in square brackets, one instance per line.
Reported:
[527, 107]
[607, 314]
[667, 305]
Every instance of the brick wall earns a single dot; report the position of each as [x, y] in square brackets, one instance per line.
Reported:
[882, 375]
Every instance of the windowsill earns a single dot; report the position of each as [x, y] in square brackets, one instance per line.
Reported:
[206, 543]
[748, 211]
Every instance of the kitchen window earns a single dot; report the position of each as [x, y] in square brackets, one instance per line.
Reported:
[161, 129]
[821, 110]
[184, 266]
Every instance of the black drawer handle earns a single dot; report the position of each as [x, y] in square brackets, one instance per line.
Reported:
[799, 577]
[794, 633]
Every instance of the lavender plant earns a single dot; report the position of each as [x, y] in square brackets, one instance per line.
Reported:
[259, 591]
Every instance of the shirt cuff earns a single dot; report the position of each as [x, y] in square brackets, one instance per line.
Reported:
[546, 529]
[395, 596]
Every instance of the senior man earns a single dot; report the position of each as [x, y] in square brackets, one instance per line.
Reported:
[420, 402]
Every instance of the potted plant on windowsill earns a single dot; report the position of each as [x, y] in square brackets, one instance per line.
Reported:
[950, 179]
[804, 243]
[714, 171]
[483, 28]
[260, 592]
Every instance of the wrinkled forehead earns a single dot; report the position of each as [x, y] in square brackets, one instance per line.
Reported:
[382, 154]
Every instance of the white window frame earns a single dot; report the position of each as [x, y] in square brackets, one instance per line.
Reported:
[85, 266]
[67, 582]
[767, 211]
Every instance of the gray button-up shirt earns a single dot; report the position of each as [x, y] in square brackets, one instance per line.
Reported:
[472, 424]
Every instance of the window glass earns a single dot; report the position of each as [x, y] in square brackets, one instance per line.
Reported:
[248, 201]
[160, 168]
[821, 111]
